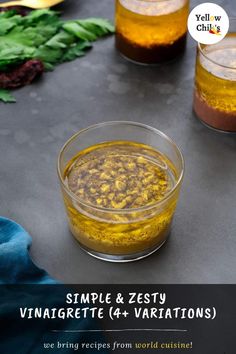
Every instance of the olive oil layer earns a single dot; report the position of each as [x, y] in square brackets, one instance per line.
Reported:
[152, 23]
[111, 181]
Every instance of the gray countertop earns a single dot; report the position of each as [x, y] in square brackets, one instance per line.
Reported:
[99, 87]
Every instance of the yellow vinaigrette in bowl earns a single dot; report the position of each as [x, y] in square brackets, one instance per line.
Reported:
[120, 198]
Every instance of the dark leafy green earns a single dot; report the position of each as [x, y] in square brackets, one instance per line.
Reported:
[43, 35]
[6, 96]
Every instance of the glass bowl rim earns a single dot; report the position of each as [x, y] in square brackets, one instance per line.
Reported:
[199, 45]
[127, 210]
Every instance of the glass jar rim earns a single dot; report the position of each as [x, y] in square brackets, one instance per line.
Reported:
[127, 210]
[214, 61]
[152, 0]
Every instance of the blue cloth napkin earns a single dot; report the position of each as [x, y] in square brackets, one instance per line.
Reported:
[16, 265]
[23, 284]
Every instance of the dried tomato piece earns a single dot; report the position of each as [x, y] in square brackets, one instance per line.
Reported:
[22, 75]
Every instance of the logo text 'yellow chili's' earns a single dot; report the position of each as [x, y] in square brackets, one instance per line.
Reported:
[208, 23]
[209, 27]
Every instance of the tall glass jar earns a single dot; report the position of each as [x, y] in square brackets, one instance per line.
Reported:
[151, 31]
[215, 83]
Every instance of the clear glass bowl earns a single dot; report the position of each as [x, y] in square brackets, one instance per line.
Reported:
[121, 234]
